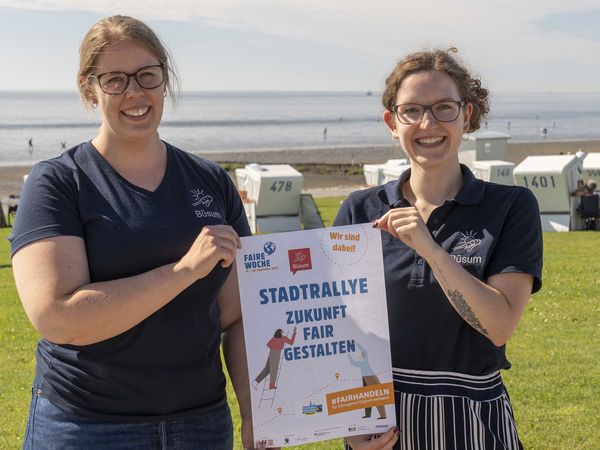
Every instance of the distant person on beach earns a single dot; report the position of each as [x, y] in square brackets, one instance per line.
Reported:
[63, 145]
[123, 254]
[461, 259]
[30, 146]
[589, 188]
[325, 133]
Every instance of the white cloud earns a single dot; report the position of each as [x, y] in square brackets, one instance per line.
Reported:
[348, 23]
[491, 35]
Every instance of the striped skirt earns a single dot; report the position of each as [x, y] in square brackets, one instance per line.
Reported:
[452, 411]
[446, 411]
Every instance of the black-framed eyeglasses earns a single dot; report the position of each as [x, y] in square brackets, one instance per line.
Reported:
[446, 111]
[148, 77]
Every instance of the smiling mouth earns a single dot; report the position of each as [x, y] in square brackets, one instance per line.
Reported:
[431, 140]
[136, 112]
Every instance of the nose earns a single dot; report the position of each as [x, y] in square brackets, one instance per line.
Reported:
[428, 119]
[133, 86]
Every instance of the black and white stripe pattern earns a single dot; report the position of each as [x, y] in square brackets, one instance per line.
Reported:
[447, 411]
[452, 411]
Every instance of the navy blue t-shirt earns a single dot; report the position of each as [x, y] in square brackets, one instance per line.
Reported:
[169, 364]
[488, 229]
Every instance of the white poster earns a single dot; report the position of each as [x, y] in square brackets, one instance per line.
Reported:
[317, 337]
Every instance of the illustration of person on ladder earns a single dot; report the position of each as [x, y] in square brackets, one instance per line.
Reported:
[275, 345]
[368, 377]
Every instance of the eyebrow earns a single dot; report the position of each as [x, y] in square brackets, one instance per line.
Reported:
[443, 99]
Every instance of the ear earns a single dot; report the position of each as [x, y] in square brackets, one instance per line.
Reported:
[390, 120]
[90, 96]
[468, 111]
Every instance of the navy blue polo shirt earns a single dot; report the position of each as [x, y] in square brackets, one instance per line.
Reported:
[488, 229]
[169, 364]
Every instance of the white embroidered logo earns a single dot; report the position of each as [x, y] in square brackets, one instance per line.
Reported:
[467, 242]
[200, 198]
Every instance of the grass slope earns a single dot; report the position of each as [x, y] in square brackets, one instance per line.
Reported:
[554, 382]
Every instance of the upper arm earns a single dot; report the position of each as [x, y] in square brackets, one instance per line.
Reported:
[519, 247]
[46, 271]
[343, 216]
[516, 289]
[229, 300]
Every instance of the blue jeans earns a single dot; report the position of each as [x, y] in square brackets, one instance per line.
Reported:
[49, 428]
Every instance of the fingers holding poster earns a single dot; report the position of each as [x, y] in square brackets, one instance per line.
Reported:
[318, 353]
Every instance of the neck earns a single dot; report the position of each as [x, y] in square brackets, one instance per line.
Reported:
[141, 162]
[432, 188]
[123, 153]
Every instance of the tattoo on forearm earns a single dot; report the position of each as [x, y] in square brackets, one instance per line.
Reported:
[465, 310]
[459, 302]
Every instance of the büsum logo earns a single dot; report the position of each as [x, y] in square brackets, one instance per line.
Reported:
[200, 198]
[467, 242]
[299, 259]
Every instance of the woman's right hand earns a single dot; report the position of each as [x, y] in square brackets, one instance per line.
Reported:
[214, 243]
[385, 441]
[53, 281]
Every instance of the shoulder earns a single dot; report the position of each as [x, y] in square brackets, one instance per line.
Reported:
[189, 158]
[189, 162]
[364, 196]
[62, 168]
[361, 206]
[513, 195]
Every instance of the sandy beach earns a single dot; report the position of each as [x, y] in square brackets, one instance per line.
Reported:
[328, 171]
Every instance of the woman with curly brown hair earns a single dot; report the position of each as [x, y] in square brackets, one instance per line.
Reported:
[461, 259]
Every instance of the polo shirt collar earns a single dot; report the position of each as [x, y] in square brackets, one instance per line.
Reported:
[470, 193]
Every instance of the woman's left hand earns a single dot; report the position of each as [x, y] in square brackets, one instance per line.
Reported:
[407, 225]
[247, 437]
[386, 441]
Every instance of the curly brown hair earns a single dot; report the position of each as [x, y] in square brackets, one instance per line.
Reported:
[469, 86]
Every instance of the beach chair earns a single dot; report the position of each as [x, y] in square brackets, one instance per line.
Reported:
[309, 213]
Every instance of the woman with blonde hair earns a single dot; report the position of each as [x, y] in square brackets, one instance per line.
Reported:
[122, 253]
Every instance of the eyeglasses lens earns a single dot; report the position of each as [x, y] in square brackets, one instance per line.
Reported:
[442, 111]
[116, 82]
[113, 83]
[149, 77]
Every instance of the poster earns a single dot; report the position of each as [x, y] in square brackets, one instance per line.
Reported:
[316, 332]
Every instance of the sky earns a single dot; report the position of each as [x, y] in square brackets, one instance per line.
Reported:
[315, 45]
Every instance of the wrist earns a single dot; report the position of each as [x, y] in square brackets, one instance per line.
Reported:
[433, 252]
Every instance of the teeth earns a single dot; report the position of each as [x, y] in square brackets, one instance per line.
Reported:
[136, 112]
[430, 140]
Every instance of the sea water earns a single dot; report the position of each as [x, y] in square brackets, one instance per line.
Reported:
[215, 121]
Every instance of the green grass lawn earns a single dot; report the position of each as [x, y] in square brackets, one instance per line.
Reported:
[554, 383]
